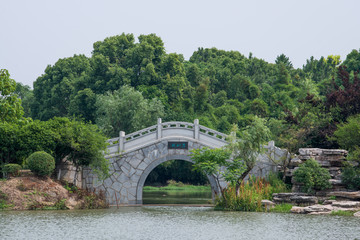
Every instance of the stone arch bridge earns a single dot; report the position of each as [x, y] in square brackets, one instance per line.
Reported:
[132, 157]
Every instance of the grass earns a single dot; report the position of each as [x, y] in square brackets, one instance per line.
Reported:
[342, 213]
[282, 208]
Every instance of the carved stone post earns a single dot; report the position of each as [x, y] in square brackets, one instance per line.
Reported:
[122, 141]
[159, 129]
[196, 129]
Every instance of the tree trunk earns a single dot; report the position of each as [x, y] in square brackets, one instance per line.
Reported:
[240, 180]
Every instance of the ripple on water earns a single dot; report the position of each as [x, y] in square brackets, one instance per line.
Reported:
[172, 223]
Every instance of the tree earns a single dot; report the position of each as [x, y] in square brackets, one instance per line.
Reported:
[348, 136]
[10, 104]
[345, 94]
[238, 158]
[126, 110]
[283, 59]
[81, 143]
[54, 89]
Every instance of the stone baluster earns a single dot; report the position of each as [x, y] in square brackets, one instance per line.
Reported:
[122, 141]
[196, 129]
[159, 129]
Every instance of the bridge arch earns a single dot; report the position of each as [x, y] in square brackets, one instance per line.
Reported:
[215, 189]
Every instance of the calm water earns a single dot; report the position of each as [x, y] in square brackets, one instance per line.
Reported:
[176, 197]
[172, 223]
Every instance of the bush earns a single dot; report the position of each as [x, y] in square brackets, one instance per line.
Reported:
[41, 163]
[251, 194]
[351, 177]
[12, 169]
[312, 176]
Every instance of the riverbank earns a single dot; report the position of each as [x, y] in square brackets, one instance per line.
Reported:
[33, 193]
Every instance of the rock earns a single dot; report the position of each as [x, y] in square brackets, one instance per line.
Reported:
[346, 195]
[295, 162]
[304, 200]
[357, 214]
[299, 210]
[328, 201]
[318, 208]
[267, 204]
[335, 182]
[346, 204]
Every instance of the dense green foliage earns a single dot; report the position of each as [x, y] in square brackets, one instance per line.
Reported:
[348, 137]
[10, 104]
[350, 176]
[41, 163]
[11, 169]
[127, 110]
[219, 87]
[82, 143]
[312, 176]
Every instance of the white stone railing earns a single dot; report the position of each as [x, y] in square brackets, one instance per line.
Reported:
[177, 130]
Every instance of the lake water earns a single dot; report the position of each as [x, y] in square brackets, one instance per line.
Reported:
[165, 223]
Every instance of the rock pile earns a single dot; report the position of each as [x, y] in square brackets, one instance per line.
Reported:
[331, 159]
[328, 207]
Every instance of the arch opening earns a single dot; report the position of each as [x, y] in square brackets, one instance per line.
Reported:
[156, 163]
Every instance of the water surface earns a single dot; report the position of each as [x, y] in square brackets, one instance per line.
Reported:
[166, 223]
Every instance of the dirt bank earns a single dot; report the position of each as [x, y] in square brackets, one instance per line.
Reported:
[30, 192]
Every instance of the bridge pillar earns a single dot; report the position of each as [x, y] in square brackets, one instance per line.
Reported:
[121, 141]
[196, 129]
[159, 129]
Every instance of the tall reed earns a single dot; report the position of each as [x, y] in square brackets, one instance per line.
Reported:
[250, 195]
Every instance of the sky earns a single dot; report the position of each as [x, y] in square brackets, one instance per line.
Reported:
[36, 33]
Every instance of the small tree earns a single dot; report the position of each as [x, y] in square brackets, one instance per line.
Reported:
[41, 163]
[238, 158]
[312, 176]
[10, 104]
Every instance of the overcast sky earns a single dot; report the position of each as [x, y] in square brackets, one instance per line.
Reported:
[37, 33]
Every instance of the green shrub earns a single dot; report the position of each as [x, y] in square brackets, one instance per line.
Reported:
[3, 201]
[351, 177]
[41, 163]
[312, 176]
[12, 169]
[60, 204]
